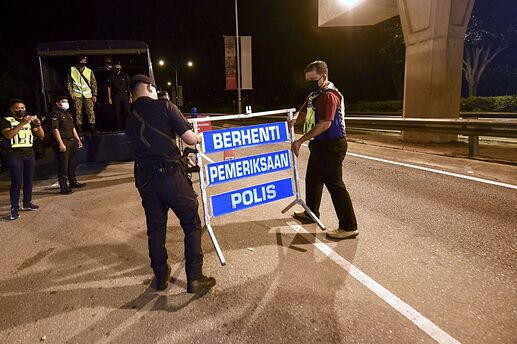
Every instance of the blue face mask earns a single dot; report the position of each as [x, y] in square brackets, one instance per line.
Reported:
[65, 106]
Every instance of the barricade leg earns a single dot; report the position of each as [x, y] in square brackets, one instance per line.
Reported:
[204, 199]
[298, 200]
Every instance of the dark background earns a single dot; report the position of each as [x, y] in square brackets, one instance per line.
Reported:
[285, 39]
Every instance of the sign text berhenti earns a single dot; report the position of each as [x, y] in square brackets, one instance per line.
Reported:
[226, 171]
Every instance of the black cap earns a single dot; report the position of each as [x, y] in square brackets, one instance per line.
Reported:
[116, 62]
[140, 78]
[81, 57]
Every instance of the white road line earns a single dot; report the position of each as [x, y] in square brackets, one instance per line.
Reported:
[403, 308]
[427, 169]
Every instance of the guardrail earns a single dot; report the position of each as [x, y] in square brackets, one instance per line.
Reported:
[473, 128]
[507, 115]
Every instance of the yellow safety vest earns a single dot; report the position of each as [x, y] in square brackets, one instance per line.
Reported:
[310, 116]
[79, 85]
[24, 138]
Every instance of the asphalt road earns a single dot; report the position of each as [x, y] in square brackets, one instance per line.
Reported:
[435, 261]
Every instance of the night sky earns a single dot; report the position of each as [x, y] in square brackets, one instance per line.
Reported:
[285, 39]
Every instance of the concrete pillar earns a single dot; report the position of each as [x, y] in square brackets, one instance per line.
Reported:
[434, 32]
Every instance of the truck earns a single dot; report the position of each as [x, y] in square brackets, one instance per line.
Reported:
[55, 60]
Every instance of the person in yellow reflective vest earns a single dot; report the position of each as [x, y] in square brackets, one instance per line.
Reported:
[82, 87]
[323, 115]
[19, 129]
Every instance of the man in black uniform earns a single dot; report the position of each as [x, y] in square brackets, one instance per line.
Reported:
[118, 94]
[65, 144]
[161, 179]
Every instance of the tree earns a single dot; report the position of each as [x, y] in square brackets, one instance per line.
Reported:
[393, 51]
[489, 33]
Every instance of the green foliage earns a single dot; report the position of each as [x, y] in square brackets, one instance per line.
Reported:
[471, 104]
[489, 104]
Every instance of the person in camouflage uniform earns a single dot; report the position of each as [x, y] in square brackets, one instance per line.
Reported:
[82, 87]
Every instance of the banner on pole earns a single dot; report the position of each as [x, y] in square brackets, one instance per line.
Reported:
[230, 62]
[236, 200]
[246, 63]
[250, 166]
[253, 135]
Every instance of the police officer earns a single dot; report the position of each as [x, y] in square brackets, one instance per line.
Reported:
[65, 141]
[160, 176]
[19, 129]
[324, 128]
[118, 94]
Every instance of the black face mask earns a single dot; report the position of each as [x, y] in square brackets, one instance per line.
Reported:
[312, 85]
[82, 64]
[20, 113]
[117, 70]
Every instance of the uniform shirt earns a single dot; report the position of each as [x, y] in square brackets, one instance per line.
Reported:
[118, 83]
[327, 105]
[162, 115]
[20, 152]
[63, 122]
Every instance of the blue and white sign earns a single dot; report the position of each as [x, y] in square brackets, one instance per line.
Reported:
[236, 200]
[226, 171]
[253, 135]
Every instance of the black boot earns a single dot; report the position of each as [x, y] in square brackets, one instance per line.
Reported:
[162, 280]
[200, 285]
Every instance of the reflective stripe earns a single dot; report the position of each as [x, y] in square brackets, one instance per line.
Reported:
[24, 138]
[80, 86]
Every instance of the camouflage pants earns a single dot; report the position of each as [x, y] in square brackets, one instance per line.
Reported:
[87, 103]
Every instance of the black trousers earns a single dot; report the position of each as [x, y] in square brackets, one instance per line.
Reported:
[121, 108]
[163, 189]
[22, 172]
[66, 162]
[325, 167]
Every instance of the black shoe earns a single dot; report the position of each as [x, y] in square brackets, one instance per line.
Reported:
[14, 214]
[77, 185]
[66, 191]
[200, 285]
[30, 207]
[162, 282]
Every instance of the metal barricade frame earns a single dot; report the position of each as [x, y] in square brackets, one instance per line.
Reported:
[202, 181]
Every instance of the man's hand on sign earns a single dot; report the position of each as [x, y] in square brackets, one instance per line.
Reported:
[296, 147]
[199, 138]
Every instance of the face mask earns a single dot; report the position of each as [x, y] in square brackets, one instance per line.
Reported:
[313, 85]
[20, 113]
[118, 69]
[82, 64]
[65, 106]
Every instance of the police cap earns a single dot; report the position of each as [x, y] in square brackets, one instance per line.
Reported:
[138, 78]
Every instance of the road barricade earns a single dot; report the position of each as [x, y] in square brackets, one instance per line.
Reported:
[215, 173]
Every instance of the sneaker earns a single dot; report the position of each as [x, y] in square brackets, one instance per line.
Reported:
[302, 216]
[30, 207]
[77, 185]
[339, 233]
[200, 285]
[14, 214]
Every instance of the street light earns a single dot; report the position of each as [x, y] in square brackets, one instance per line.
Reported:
[189, 64]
